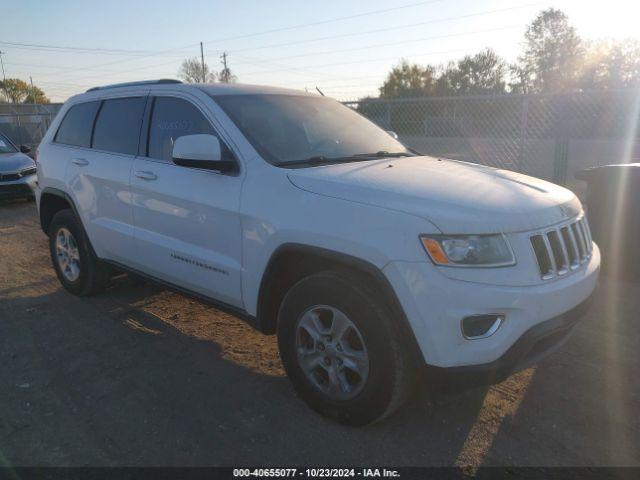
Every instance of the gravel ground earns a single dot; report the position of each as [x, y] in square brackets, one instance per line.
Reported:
[142, 376]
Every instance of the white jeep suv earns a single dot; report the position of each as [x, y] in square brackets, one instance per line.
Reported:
[297, 214]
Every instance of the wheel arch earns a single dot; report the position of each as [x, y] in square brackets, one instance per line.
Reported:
[52, 200]
[291, 262]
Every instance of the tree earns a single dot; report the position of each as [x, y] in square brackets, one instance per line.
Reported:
[226, 76]
[611, 65]
[552, 56]
[15, 90]
[409, 80]
[36, 95]
[191, 72]
[482, 73]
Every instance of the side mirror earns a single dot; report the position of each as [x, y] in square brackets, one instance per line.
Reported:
[201, 151]
[25, 149]
[393, 134]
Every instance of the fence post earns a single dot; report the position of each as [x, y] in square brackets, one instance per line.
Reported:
[561, 147]
[524, 119]
[388, 114]
[20, 140]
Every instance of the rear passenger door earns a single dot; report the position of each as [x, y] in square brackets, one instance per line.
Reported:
[98, 174]
[187, 224]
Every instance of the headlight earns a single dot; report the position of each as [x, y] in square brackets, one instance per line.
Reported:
[28, 171]
[468, 250]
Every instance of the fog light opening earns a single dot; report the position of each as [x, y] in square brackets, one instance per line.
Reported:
[475, 327]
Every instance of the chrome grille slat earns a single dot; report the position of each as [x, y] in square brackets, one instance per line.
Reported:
[562, 249]
[574, 243]
[583, 236]
[586, 222]
[571, 249]
[562, 258]
[587, 234]
[543, 256]
[552, 257]
[579, 241]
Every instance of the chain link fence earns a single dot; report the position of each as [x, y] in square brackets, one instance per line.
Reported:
[26, 124]
[547, 136]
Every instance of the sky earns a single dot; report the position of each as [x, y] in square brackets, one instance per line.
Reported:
[345, 48]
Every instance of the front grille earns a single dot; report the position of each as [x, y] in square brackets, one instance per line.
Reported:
[561, 250]
[9, 177]
[15, 190]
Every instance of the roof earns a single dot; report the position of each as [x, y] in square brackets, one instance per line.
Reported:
[244, 89]
[210, 88]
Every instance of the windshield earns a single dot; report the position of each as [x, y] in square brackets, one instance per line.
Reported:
[289, 129]
[6, 146]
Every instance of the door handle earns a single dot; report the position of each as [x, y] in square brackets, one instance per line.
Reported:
[146, 175]
[82, 162]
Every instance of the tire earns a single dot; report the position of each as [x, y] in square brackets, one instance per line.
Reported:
[90, 275]
[325, 297]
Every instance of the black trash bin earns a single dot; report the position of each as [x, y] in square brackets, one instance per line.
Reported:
[613, 210]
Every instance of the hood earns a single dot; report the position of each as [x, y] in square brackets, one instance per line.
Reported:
[12, 162]
[457, 197]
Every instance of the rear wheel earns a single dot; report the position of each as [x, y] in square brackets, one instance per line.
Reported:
[341, 349]
[78, 269]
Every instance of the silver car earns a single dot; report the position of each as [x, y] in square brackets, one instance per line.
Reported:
[17, 170]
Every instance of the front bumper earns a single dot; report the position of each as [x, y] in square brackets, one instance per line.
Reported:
[435, 304]
[535, 344]
[21, 188]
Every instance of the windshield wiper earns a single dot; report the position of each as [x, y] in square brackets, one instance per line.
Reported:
[321, 160]
[358, 157]
[316, 160]
[384, 154]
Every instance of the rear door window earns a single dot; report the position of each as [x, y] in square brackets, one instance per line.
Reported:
[118, 125]
[75, 128]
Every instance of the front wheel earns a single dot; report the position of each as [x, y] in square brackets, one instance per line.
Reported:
[341, 349]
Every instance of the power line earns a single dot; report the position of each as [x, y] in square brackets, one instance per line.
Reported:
[387, 44]
[116, 51]
[59, 47]
[388, 29]
[369, 60]
[324, 22]
[55, 67]
[148, 53]
[447, 19]
[123, 60]
[253, 61]
[69, 71]
[304, 69]
[81, 50]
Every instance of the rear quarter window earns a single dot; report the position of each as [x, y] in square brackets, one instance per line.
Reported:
[118, 125]
[75, 128]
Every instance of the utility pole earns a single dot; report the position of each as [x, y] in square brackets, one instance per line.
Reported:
[33, 90]
[225, 71]
[2, 63]
[204, 78]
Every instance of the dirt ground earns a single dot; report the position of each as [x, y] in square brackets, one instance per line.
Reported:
[142, 376]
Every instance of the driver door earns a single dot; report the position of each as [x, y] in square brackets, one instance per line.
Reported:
[186, 220]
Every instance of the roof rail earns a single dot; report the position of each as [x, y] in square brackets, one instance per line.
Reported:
[135, 84]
